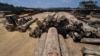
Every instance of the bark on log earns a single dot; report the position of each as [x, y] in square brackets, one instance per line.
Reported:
[63, 46]
[89, 55]
[91, 29]
[52, 44]
[90, 40]
[40, 47]
[26, 25]
[86, 27]
[91, 51]
[73, 49]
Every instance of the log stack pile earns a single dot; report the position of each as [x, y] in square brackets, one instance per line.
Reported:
[90, 51]
[23, 27]
[77, 29]
[51, 44]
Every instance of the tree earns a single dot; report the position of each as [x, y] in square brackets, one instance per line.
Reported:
[90, 4]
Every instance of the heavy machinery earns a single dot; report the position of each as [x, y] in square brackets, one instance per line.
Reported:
[11, 22]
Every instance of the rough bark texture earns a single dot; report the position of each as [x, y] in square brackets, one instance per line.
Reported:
[40, 47]
[92, 52]
[91, 40]
[89, 51]
[91, 29]
[26, 25]
[52, 45]
[90, 55]
[63, 46]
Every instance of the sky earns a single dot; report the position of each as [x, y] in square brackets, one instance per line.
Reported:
[45, 3]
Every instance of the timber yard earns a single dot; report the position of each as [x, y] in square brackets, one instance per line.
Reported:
[50, 32]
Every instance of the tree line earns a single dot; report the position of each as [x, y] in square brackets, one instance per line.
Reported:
[90, 4]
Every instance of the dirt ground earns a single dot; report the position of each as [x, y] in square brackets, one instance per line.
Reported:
[20, 44]
[16, 43]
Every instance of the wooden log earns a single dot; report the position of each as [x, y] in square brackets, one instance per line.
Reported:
[76, 34]
[32, 29]
[86, 27]
[28, 23]
[36, 27]
[52, 44]
[63, 46]
[40, 47]
[89, 55]
[72, 47]
[23, 27]
[90, 40]
[91, 51]
[91, 29]
[90, 48]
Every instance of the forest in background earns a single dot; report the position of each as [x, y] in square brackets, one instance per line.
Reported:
[18, 10]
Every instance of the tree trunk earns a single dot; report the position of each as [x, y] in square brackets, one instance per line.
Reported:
[52, 44]
[23, 27]
[91, 51]
[90, 40]
[63, 46]
[40, 47]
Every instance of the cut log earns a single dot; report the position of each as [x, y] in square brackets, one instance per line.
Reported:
[63, 46]
[90, 40]
[32, 29]
[40, 47]
[91, 51]
[89, 55]
[86, 27]
[73, 49]
[52, 44]
[23, 27]
[91, 29]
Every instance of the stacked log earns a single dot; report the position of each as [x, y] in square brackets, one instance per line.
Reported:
[40, 47]
[91, 29]
[84, 30]
[23, 27]
[52, 44]
[63, 46]
[36, 29]
[90, 55]
[91, 40]
[75, 28]
[90, 52]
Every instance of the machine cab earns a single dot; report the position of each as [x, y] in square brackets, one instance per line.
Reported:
[12, 19]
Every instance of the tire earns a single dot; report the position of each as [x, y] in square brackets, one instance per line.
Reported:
[10, 28]
[20, 30]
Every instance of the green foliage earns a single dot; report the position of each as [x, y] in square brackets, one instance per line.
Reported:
[8, 7]
[88, 4]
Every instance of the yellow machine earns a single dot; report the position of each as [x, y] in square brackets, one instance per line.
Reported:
[11, 22]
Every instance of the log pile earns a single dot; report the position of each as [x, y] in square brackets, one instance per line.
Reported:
[40, 47]
[90, 40]
[90, 52]
[77, 29]
[22, 28]
[95, 24]
[51, 44]
[63, 47]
